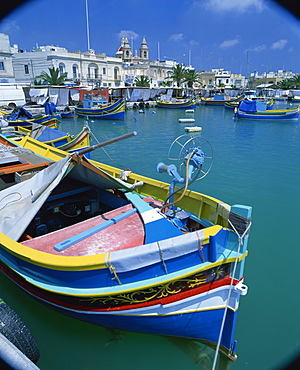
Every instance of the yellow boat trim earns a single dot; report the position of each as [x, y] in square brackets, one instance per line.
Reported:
[52, 261]
[68, 263]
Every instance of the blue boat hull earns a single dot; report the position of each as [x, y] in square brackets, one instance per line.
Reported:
[102, 115]
[256, 116]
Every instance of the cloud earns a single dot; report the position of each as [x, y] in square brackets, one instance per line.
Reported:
[176, 37]
[9, 26]
[229, 43]
[258, 48]
[280, 44]
[193, 43]
[127, 33]
[239, 6]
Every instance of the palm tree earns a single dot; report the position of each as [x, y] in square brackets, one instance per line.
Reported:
[191, 77]
[142, 81]
[165, 83]
[285, 84]
[296, 81]
[177, 74]
[53, 77]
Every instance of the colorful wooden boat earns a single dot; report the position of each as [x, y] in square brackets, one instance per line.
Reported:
[179, 104]
[95, 107]
[219, 100]
[53, 137]
[135, 255]
[24, 118]
[5, 109]
[255, 110]
[233, 105]
[67, 114]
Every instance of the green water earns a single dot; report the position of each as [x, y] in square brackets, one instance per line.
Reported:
[255, 163]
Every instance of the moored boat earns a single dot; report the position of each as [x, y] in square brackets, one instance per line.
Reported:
[176, 104]
[235, 104]
[257, 110]
[136, 255]
[95, 107]
[53, 137]
[24, 118]
[220, 100]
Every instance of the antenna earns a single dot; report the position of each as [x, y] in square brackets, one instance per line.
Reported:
[87, 24]
[158, 51]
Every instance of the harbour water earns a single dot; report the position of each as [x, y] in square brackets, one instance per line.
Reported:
[255, 163]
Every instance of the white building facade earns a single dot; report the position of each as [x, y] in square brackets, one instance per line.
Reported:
[82, 68]
[6, 66]
[90, 68]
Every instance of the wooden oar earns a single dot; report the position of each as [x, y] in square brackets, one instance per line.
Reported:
[107, 142]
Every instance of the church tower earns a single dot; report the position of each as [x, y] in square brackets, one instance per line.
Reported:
[127, 54]
[144, 50]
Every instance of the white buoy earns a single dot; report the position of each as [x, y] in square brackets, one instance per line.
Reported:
[193, 129]
[190, 111]
[186, 120]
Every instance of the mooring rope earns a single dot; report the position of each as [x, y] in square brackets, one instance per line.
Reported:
[240, 241]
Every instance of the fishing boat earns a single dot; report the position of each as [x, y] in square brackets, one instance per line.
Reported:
[220, 100]
[251, 109]
[233, 105]
[5, 109]
[94, 106]
[53, 137]
[24, 118]
[67, 114]
[128, 252]
[176, 104]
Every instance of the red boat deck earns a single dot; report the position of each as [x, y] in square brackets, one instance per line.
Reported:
[126, 233]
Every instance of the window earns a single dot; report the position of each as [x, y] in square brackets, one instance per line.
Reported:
[1, 66]
[104, 71]
[26, 68]
[75, 72]
[61, 68]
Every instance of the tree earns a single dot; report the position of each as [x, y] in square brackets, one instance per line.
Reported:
[53, 78]
[191, 77]
[177, 74]
[296, 81]
[142, 81]
[166, 83]
[285, 84]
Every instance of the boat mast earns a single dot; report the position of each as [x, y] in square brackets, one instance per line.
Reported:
[87, 24]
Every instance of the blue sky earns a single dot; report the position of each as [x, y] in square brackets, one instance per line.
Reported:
[237, 35]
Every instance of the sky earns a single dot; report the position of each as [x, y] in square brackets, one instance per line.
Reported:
[241, 36]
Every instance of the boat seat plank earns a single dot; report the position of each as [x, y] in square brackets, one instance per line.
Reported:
[86, 234]
[23, 167]
[127, 233]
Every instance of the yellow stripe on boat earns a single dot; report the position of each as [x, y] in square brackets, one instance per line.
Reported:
[69, 263]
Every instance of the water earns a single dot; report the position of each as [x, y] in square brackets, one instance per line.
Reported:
[255, 163]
